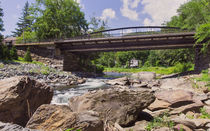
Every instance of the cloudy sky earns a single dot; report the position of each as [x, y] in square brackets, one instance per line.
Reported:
[118, 13]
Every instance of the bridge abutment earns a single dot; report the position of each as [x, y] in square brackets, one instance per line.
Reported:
[202, 60]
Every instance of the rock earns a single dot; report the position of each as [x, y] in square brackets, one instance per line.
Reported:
[184, 109]
[176, 98]
[20, 97]
[81, 81]
[179, 127]
[207, 102]
[158, 105]
[163, 129]
[13, 127]
[139, 126]
[120, 81]
[176, 83]
[60, 117]
[120, 106]
[144, 76]
[142, 85]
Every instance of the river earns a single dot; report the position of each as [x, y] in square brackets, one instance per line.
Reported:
[61, 97]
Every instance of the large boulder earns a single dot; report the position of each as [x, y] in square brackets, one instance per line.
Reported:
[119, 81]
[13, 127]
[117, 105]
[60, 118]
[20, 97]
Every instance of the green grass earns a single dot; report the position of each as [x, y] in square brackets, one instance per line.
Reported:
[204, 114]
[205, 77]
[159, 70]
[162, 121]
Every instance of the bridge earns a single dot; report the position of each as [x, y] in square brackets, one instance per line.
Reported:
[119, 39]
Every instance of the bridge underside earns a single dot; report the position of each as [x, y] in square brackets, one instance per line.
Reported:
[150, 42]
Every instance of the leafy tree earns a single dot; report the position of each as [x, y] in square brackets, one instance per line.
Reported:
[27, 56]
[194, 15]
[58, 19]
[25, 22]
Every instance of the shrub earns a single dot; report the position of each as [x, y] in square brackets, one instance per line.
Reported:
[99, 69]
[27, 56]
[13, 53]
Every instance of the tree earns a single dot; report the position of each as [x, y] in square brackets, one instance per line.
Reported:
[27, 56]
[25, 22]
[1, 29]
[1, 24]
[13, 53]
[194, 15]
[56, 19]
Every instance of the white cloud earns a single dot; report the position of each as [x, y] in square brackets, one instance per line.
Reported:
[108, 14]
[160, 11]
[18, 7]
[80, 3]
[128, 9]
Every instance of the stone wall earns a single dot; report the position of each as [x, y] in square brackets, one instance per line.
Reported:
[202, 60]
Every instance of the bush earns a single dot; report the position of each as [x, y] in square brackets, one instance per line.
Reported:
[179, 67]
[99, 69]
[27, 56]
[13, 53]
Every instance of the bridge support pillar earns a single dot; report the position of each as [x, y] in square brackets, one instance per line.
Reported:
[71, 62]
[202, 61]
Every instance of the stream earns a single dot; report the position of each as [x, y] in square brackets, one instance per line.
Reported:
[61, 97]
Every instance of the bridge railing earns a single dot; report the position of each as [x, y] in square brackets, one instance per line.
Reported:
[117, 32]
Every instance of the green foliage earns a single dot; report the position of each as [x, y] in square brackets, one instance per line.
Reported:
[182, 67]
[194, 15]
[162, 121]
[13, 53]
[202, 35]
[58, 19]
[27, 36]
[24, 23]
[27, 56]
[1, 24]
[204, 114]
[72, 129]
[158, 70]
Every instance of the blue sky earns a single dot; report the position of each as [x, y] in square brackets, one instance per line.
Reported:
[118, 13]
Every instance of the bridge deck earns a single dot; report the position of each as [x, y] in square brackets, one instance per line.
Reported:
[142, 42]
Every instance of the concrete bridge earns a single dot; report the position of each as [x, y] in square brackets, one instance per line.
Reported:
[122, 39]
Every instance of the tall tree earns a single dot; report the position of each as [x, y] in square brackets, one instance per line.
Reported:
[1, 23]
[194, 15]
[25, 21]
[58, 19]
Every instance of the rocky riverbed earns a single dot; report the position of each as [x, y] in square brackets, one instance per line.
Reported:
[129, 103]
[42, 73]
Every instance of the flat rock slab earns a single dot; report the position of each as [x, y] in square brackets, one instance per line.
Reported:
[175, 97]
[13, 127]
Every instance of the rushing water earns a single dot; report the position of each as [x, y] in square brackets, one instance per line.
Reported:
[61, 97]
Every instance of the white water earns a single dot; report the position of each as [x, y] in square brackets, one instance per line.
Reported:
[61, 97]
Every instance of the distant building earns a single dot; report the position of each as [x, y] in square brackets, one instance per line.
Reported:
[134, 63]
[9, 41]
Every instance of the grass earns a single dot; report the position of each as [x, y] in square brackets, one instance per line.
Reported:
[159, 70]
[204, 114]
[45, 70]
[161, 121]
[205, 77]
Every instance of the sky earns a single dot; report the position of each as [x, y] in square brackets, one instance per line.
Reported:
[117, 13]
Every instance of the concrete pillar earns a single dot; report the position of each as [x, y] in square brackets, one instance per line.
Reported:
[71, 62]
[202, 61]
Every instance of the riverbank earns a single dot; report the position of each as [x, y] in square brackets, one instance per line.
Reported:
[40, 72]
[159, 70]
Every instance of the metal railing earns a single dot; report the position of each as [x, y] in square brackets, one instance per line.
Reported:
[117, 32]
